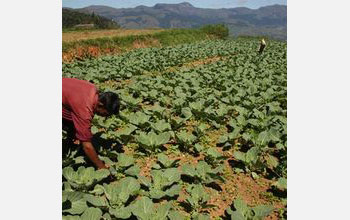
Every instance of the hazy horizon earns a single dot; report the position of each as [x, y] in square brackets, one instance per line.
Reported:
[253, 4]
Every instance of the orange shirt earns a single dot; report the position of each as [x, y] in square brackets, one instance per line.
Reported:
[79, 100]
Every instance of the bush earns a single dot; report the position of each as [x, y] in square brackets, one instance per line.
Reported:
[219, 30]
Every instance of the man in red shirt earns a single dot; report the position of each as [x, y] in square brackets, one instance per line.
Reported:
[80, 101]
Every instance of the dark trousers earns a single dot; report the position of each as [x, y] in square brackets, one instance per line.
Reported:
[68, 126]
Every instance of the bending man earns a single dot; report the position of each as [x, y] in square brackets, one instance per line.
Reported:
[80, 102]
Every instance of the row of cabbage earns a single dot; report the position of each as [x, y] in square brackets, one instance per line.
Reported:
[137, 62]
[90, 194]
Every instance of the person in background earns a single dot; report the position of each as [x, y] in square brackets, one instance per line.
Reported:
[80, 102]
[262, 46]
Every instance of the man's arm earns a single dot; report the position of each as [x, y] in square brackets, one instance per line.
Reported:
[92, 155]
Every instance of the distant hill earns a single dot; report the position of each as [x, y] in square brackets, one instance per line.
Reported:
[268, 20]
[72, 18]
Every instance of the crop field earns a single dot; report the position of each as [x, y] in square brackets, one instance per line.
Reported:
[70, 36]
[201, 134]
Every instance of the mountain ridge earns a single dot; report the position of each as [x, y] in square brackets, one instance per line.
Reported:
[267, 20]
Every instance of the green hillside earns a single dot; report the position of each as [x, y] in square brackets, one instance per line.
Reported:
[71, 18]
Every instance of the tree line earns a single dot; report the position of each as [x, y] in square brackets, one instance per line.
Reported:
[71, 18]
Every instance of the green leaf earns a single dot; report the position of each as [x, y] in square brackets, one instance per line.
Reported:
[185, 137]
[241, 120]
[186, 112]
[236, 215]
[68, 173]
[156, 193]
[263, 138]
[121, 212]
[118, 193]
[95, 201]
[262, 211]
[91, 214]
[254, 122]
[201, 217]
[252, 155]
[125, 160]
[84, 177]
[280, 146]
[138, 118]
[161, 126]
[133, 171]
[198, 147]
[255, 175]
[239, 155]
[98, 190]
[212, 152]
[223, 139]
[67, 187]
[152, 139]
[281, 184]
[221, 111]
[94, 129]
[106, 216]
[175, 215]
[164, 178]
[229, 210]
[106, 160]
[197, 106]
[164, 160]
[201, 128]
[218, 169]
[178, 103]
[145, 181]
[162, 211]
[125, 132]
[197, 195]
[174, 190]
[156, 166]
[188, 169]
[177, 122]
[78, 202]
[128, 99]
[272, 161]
[234, 134]
[79, 160]
[203, 168]
[274, 135]
[77, 207]
[171, 175]
[241, 206]
[143, 208]
[70, 217]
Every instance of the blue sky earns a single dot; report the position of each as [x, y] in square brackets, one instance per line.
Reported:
[197, 3]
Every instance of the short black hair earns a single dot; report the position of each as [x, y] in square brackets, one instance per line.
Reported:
[110, 102]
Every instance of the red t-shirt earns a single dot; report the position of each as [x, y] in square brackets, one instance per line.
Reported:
[79, 100]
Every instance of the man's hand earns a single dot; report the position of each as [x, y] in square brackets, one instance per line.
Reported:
[105, 166]
[92, 155]
[76, 142]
